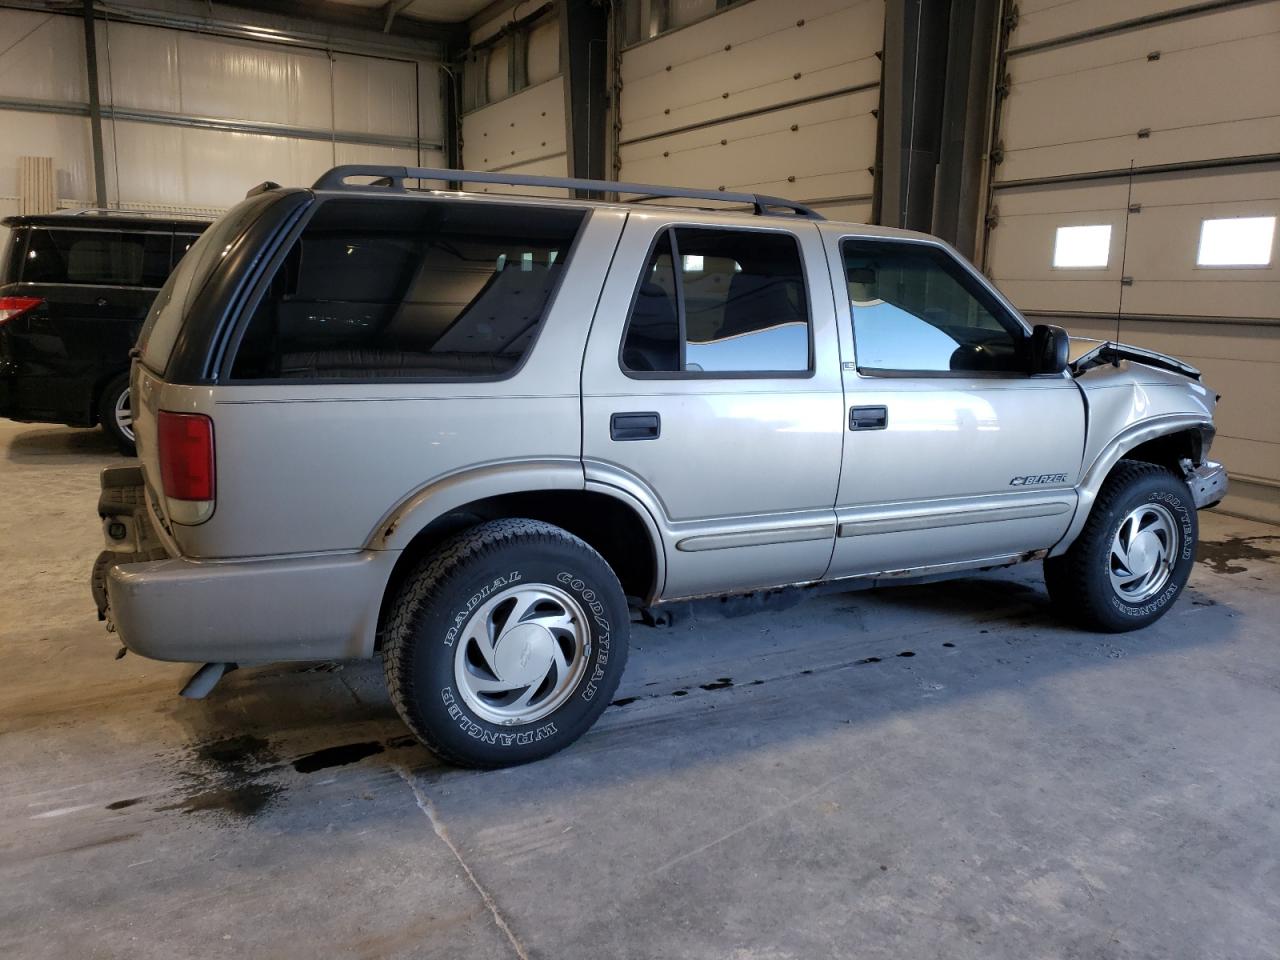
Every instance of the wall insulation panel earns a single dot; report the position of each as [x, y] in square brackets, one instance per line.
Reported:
[173, 88]
[766, 96]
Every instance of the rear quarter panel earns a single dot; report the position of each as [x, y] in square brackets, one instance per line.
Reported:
[313, 468]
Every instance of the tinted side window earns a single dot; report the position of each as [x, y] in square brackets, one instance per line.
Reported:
[14, 240]
[915, 309]
[97, 257]
[377, 289]
[720, 301]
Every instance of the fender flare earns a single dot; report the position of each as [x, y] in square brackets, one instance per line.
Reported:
[397, 529]
[410, 516]
[1131, 436]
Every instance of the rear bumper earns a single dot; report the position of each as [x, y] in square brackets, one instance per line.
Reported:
[1208, 483]
[243, 611]
[247, 611]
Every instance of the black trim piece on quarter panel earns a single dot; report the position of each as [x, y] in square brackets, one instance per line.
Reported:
[212, 308]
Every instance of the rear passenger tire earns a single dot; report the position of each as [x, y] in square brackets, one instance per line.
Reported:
[506, 645]
[115, 413]
[1133, 557]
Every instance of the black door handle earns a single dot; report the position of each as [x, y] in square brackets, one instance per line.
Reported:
[868, 418]
[635, 426]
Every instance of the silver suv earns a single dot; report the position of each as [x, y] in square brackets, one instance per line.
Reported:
[467, 432]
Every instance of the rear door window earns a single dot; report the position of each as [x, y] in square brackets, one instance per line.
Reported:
[376, 290]
[97, 257]
[714, 302]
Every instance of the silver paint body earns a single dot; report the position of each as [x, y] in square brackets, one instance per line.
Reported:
[753, 483]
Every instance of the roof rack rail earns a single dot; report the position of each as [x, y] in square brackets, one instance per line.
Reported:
[394, 178]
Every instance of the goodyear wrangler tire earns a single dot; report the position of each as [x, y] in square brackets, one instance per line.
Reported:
[1133, 557]
[507, 644]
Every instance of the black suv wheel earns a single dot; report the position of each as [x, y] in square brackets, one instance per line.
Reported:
[1133, 557]
[507, 644]
[115, 413]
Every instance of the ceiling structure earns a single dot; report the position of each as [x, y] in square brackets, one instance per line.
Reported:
[433, 11]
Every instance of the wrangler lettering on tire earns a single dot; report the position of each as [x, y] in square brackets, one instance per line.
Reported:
[1134, 555]
[501, 648]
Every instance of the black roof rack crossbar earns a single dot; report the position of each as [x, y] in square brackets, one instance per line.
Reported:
[394, 177]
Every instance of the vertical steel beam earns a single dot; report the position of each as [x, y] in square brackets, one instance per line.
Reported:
[584, 63]
[967, 104]
[914, 79]
[95, 106]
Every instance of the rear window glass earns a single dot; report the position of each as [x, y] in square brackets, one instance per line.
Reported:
[97, 257]
[378, 290]
[11, 243]
[195, 267]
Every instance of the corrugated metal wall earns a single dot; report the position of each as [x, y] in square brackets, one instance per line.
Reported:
[1178, 92]
[192, 120]
[767, 96]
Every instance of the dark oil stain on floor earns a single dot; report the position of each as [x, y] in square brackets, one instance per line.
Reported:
[338, 756]
[623, 701]
[226, 778]
[719, 684]
[907, 653]
[242, 800]
[121, 804]
[1219, 554]
[866, 660]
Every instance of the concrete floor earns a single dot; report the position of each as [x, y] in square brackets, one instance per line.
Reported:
[938, 771]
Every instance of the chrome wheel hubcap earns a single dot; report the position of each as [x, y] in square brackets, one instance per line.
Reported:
[522, 654]
[124, 415]
[1143, 553]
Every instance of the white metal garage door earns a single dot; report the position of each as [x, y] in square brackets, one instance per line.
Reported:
[1191, 99]
[767, 96]
[522, 132]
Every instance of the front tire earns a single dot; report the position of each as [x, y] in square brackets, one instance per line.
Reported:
[1133, 556]
[115, 413]
[506, 645]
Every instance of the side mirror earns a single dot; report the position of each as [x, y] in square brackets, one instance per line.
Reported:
[1050, 347]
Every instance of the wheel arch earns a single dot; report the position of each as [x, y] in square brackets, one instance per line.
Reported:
[611, 522]
[1164, 441]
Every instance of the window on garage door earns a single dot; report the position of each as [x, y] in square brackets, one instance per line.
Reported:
[917, 310]
[720, 303]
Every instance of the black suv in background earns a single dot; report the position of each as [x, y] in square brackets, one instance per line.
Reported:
[74, 290]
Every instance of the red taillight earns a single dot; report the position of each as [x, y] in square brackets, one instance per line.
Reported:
[186, 455]
[11, 307]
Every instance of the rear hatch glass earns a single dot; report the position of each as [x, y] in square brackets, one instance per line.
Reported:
[168, 312]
